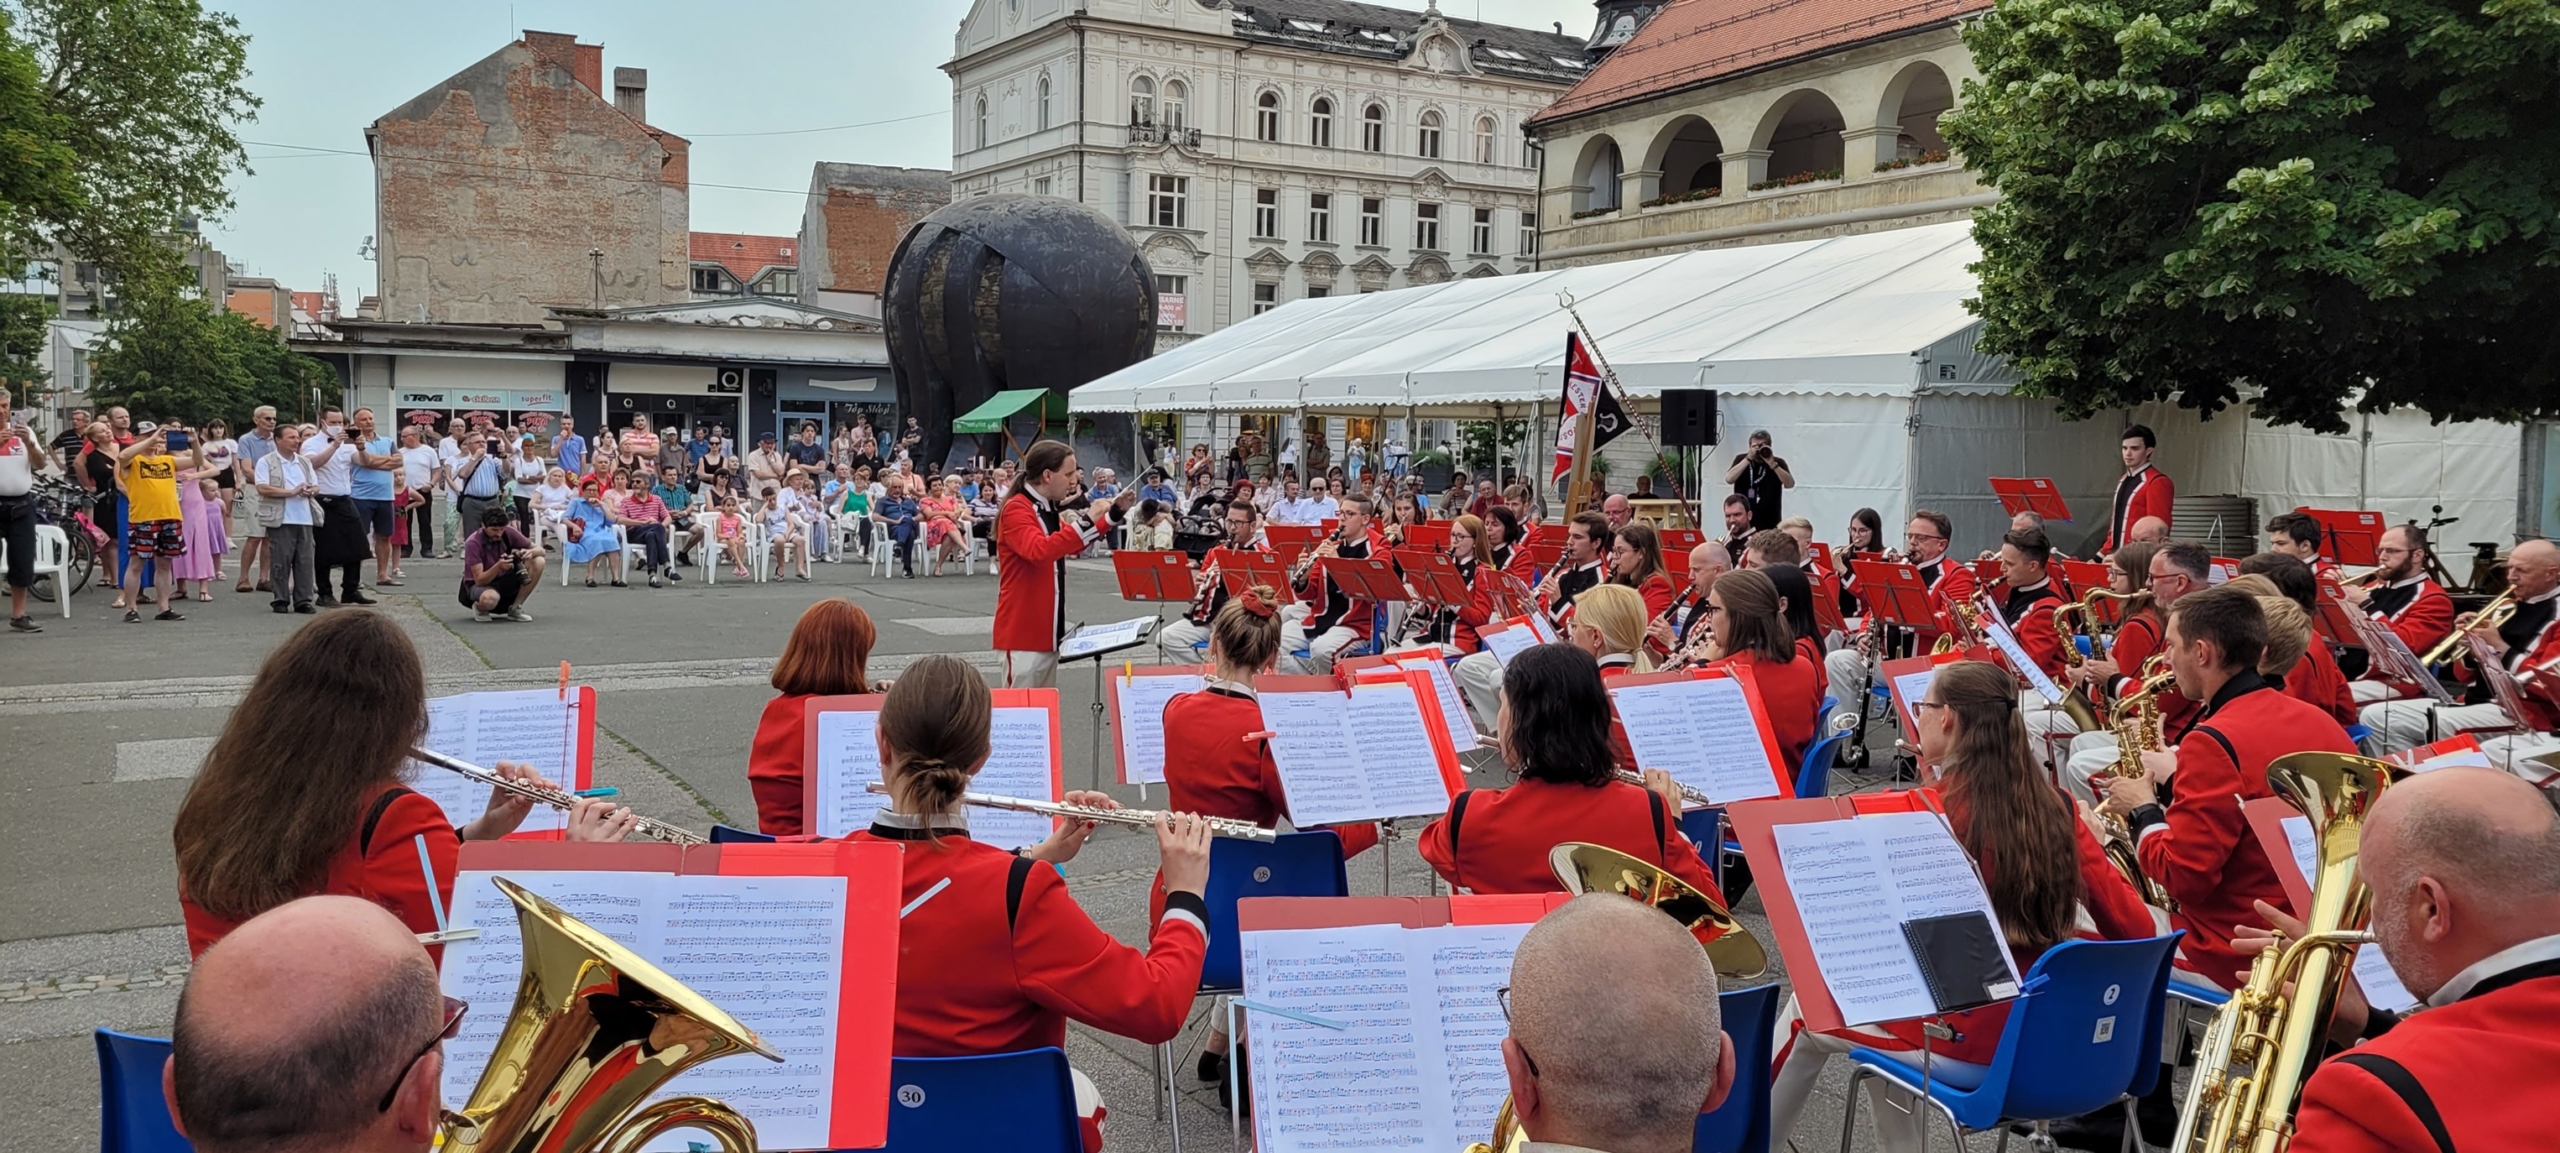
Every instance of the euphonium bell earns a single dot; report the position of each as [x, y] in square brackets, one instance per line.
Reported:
[595, 1030]
[1731, 949]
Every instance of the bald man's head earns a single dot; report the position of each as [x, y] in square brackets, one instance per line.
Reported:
[2463, 863]
[292, 1027]
[2534, 568]
[1628, 1051]
[1618, 509]
[1707, 562]
[2149, 528]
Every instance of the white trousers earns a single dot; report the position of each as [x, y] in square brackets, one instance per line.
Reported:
[2509, 753]
[1848, 671]
[1897, 1111]
[1029, 670]
[2368, 691]
[1479, 677]
[2399, 726]
[2091, 754]
[2049, 729]
[1175, 641]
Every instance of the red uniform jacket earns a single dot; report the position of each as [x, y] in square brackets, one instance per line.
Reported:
[773, 767]
[2537, 671]
[2112, 905]
[2029, 614]
[2477, 1060]
[1478, 611]
[1792, 694]
[1211, 768]
[2153, 495]
[1328, 605]
[1031, 571]
[1949, 582]
[2202, 851]
[1496, 840]
[1658, 592]
[382, 868]
[976, 977]
[2317, 681]
[1622, 752]
[2422, 619]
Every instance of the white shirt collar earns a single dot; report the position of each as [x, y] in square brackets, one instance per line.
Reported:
[2511, 957]
[955, 819]
[2032, 587]
[2412, 580]
[2554, 591]
[1618, 659]
[1239, 688]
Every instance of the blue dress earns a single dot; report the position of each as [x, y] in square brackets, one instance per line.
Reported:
[596, 539]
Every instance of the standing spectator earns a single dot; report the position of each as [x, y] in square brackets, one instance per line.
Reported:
[338, 538]
[201, 515]
[840, 449]
[645, 520]
[697, 448]
[1760, 477]
[1288, 456]
[603, 459]
[256, 445]
[640, 446]
[766, 466]
[422, 474]
[526, 471]
[156, 523]
[20, 456]
[371, 485]
[716, 471]
[1398, 456]
[96, 472]
[288, 501]
[898, 511]
[683, 529]
[68, 442]
[501, 570]
[1198, 472]
[1106, 487]
[1355, 458]
[806, 454]
[122, 422]
[450, 451]
[476, 478]
[222, 453]
[569, 449]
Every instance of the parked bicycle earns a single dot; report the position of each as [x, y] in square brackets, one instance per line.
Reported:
[67, 506]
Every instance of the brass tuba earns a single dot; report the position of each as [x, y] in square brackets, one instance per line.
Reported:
[2261, 1045]
[594, 1031]
[1586, 868]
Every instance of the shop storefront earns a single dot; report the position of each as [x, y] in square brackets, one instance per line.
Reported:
[833, 399]
[681, 397]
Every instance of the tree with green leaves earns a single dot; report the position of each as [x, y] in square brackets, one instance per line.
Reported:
[168, 355]
[117, 124]
[22, 336]
[2327, 205]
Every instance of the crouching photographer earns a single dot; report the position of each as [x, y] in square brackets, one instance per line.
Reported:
[501, 569]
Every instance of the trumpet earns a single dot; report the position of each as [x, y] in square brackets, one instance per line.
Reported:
[560, 799]
[2491, 615]
[1135, 818]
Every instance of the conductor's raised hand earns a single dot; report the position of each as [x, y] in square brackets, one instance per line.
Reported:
[1182, 841]
[594, 819]
[505, 810]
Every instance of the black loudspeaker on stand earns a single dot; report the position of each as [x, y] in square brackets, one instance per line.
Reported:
[1688, 417]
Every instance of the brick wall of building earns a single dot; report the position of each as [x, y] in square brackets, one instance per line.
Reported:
[855, 217]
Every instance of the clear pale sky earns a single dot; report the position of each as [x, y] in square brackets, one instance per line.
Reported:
[747, 66]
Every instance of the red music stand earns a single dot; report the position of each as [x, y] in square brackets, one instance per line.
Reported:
[1243, 570]
[2347, 536]
[1433, 576]
[2336, 620]
[2083, 575]
[1546, 552]
[1826, 604]
[1429, 535]
[2030, 494]
[1365, 578]
[1822, 557]
[1676, 563]
[1682, 539]
[1153, 576]
[1987, 573]
[1893, 590]
[1292, 541]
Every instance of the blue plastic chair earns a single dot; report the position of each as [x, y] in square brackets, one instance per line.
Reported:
[2358, 735]
[2069, 1047]
[1813, 778]
[725, 835]
[1300, 864]
[1741, 1124]
[943, 1103]
[1822, 713]
[133, 1116]
[1705, 827]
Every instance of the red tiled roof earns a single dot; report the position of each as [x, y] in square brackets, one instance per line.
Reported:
[311, 302]
[1691, 42]
[745, 254]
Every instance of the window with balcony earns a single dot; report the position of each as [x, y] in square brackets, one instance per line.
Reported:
[1176, 96]
[1266, 213]
[1167, 198]
[1142, 101]
[1320, 218]
[1266, 117]
[1373, 221]
[1480, 235]
[1426, 227]
[1373, 128]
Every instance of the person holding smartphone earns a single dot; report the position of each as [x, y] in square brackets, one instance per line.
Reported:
[157, 526]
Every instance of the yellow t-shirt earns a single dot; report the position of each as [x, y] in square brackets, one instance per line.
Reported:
[151, 489]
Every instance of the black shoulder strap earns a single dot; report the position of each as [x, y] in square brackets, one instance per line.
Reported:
[373, 816]
[1661, 840]
[1457, 816]
[1016, 876]
[2219, 739]
[2398, 1079]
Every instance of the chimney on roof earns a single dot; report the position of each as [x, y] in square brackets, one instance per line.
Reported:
[631, 92]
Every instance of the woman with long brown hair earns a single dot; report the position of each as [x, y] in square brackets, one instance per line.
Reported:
[1635, 560]
[994, 955]
[827, 656]
[2048, 878]
[282, 810]
[1751, 632]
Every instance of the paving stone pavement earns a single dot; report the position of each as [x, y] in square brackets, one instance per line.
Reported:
[105, 723]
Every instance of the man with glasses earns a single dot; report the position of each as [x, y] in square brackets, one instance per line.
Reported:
[317, 1024]
[2528, 648]
[2403, 598]
[1624, 1065]
[1924, 544]
[1184, 641]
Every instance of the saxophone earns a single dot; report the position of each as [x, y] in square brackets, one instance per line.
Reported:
[2137, 729]
[2080, 705]
[2261, 1045]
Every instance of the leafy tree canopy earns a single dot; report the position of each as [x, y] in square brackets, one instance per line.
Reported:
[2337, 203]
[168, 355]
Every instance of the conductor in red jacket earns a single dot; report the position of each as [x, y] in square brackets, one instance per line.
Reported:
[2199, 846]
[2464, 864]
[2144, 491]
[1033, 542]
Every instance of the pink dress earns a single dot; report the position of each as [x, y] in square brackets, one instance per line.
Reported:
[201, 525]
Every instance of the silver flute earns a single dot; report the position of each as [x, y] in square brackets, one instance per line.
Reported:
[1688, 794]
[560, 799]
[1138, 818]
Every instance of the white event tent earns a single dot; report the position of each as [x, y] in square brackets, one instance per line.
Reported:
[1855, 352]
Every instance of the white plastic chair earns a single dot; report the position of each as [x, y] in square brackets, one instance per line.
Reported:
[53, 555]
[621, 544]
[884, 552]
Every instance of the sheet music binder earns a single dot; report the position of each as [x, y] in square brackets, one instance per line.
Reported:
[1960, 960]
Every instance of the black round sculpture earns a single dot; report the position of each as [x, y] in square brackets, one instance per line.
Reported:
[1009, 292]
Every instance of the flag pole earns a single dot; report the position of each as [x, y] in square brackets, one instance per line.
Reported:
[1578, 490]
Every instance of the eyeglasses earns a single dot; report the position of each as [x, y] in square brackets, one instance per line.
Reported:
[1713, 607]
[1502, 997]
[1924, 706]
[454, 1011]
[1917, 536]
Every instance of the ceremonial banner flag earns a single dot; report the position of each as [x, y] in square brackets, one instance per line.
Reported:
[1583, 387]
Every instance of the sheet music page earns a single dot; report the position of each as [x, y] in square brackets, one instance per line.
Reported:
[2019, 662]
[1142, 701]
[1381, 1081]
[1453, 707]
[1320, 769]
[1468, 963]
[1093, 640]
[1913, 688]
[534, 726]
[1545, 632]
[848, 761]
[1506, 643]
[1396, 757]
[485, 970]
[1932, 876]
[1703, 732]
[769, 951]
[2373, 972]
[1017, 766]
[1853, 919]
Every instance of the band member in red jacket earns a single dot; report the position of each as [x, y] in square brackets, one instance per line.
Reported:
[2199, 847]
[2407, 601]
[1554, 729]
[1924, 545]
[825, 657]
[1453, 627]
[1332, 619]
[262, 825]
[1033, 542]
[994, 956]
[2026, 604]
[2168, 572]
[1635, 560]
[1180, 642]
[2041, 865]
[2142, 493]
[2298, 535]
[2462, 862]
[1751, 633]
